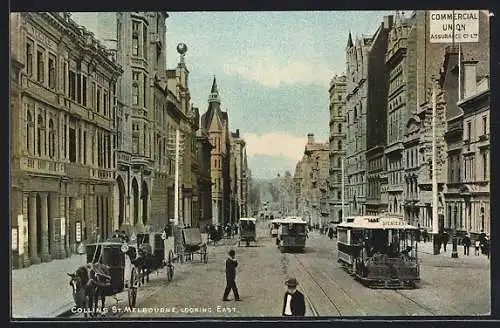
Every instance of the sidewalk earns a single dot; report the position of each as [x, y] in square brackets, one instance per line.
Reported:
[42, 290]
[426, 250]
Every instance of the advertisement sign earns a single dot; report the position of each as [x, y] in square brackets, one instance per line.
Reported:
[57, 229]
[14, 238]
[447, 26]
[78, 233]
[20, 234]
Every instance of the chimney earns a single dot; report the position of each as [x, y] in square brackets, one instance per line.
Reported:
[388, 21]
[310, 138]
[470, 77]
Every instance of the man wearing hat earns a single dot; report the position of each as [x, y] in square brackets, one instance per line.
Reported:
[293, 303]
[231, 264]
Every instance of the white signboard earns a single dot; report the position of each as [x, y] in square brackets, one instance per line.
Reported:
[78, 232]
[63, 227]
[14, 238]
[20, 225]
[447, 26]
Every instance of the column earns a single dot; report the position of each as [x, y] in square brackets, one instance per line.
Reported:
[44, 252]
[35, 130]
[66, 153]
[69, 225]
[32, 229]
[46, 133]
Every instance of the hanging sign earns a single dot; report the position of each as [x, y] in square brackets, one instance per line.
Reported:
[448, 26]
[14, 239]
[78, 227]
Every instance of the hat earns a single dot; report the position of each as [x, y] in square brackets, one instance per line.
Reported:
[292, 282]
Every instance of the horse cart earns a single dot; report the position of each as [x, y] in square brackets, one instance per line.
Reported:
[160, 251]
[191, 244]
[248, 231]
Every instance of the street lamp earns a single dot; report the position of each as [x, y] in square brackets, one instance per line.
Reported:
[454, 252]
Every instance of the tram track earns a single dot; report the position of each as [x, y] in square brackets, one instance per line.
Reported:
[427, 309]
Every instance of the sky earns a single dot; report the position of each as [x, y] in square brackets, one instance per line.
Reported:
[273, 71]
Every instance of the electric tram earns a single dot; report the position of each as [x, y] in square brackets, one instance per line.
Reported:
[380, 251]
[292, 234]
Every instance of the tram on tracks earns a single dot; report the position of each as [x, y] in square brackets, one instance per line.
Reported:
[274, 226]
[379, 251]
[292, 234]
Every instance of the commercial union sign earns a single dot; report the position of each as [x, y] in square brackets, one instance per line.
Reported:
[447, 26]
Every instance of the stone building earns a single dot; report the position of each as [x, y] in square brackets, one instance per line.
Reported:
[204, 149]
[310, 177]
[475, 189]
[337, 139]
[239, 156]
[287, 194]
[215, 123]
[376, 115]
[366, 90]
[63, 165]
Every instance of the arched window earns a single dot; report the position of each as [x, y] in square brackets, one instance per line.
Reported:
[135, 94]
[30, 133]
[52, 139]
[339, 162]
[339, 145]
[339, 128]
[41, 136]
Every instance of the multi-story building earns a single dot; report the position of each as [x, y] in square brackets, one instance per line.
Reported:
[475, 153]
[366, 98]
[287, 194]
[337, 93]
[204, 149]
[63, 167]
[238, 149]
[215, 123]
[356, 103]
[310, 176]
[378, 88]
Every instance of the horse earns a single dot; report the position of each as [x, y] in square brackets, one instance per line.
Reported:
[89, 283]
[146, 263]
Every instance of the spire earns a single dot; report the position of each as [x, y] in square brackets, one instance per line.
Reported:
[349, 40]
[214, 93]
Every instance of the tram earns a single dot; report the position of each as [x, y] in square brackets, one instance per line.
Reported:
[380, 251]
[292, 234]
[274, 225]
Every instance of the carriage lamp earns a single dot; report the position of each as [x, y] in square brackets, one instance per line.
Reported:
[124, 248]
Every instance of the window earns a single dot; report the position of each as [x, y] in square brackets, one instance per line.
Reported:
[30, 126]
[485, 125]
[145, 86]
[72, 85]
[135, 38]
[339, 128]
[52, 71]
[135, 94]
[79, 88]
[469, 129]
[29, 57]
[72, 145]
[40, 136]
[84, 147]
[84, 94]
[65, 82]
[40, 66]
[339, 145]
[485, 166]
[145, 41]
[99, 91]
[52, 139]
[105, 104]
[92, 95]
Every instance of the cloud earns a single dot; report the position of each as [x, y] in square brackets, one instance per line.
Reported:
[279, 144]
[272, 70]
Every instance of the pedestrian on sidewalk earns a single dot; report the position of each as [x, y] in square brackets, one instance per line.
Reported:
[445, 239]
[466, 242]
[477, 245]
[231, 264]
[293, 302]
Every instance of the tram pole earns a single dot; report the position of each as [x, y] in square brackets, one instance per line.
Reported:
[343, 186]
[454, 241]
[435, 222]
[177, 153]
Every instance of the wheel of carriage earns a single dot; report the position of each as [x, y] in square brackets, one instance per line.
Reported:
[132, 289]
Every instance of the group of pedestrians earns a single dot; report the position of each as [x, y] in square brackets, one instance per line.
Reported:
[293, 301]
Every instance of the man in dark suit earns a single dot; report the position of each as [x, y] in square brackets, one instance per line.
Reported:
[231, 265]
[293, 302]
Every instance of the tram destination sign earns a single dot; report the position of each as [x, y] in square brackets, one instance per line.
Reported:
[391, 222]
[448, 26]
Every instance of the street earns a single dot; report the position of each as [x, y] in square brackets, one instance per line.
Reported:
[449, 287]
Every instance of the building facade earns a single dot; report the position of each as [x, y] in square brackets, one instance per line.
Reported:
[238, 149]
[337, 140]
[310, 176]
[63, 166]
[214, 122]
[378, 88]
[475, 154]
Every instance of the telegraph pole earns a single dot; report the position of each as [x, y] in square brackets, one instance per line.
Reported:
[435, 218]
[343, 186]
[176, 184]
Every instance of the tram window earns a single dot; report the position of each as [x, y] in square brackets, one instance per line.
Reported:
[356, 236]
[342, 235]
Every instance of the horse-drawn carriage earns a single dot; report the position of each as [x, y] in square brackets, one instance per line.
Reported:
[247, 231]
[191, 244]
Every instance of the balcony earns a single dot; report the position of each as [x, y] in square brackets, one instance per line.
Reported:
[101, 174]
[123, 157]
[75, 170]
[40, 91]
[43, 166]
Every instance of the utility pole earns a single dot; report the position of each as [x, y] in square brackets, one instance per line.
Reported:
[176, 184]
[435, 222]
[343, 186]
